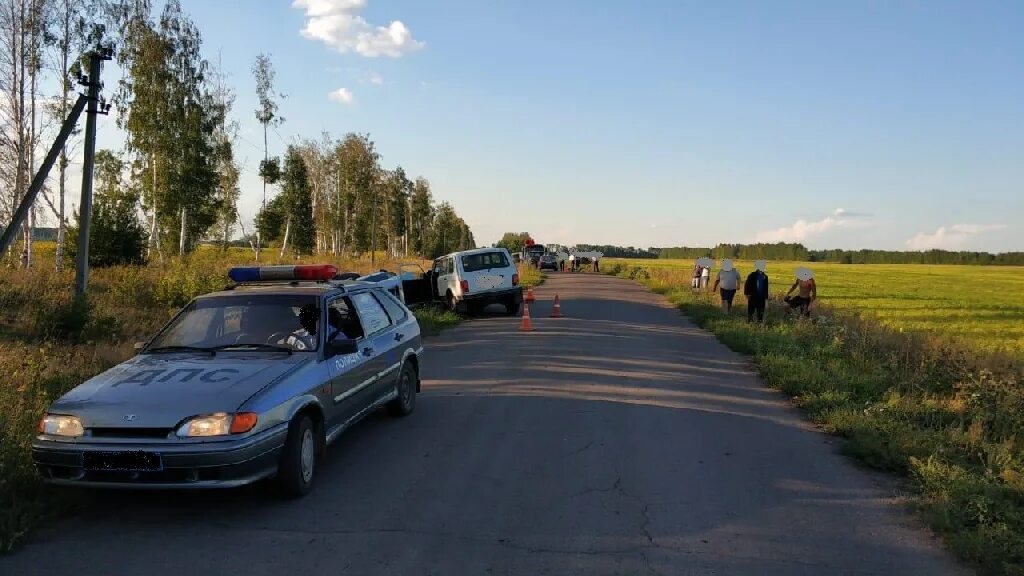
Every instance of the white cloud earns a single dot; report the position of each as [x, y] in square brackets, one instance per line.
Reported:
[342, 95]
[338, 24]
[802, 229]
[843, 212]
[954, 237]
[376, 79]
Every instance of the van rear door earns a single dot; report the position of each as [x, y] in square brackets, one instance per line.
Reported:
[486, 271]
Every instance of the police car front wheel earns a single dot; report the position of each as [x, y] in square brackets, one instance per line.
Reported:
[297, 468]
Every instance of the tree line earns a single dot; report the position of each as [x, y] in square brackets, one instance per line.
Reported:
[799, 253]
[175, 183]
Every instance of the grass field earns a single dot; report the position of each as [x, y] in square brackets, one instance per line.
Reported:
[49, 344]
[978, 306]
[934, 402]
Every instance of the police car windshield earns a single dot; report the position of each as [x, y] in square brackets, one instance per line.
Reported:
[247, 323]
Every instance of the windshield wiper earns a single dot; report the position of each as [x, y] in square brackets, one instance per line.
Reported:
[272, 347]
[166, 349]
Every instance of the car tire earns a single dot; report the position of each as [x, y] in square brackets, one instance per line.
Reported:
[297, 469]
[511, 306]
[405, 403]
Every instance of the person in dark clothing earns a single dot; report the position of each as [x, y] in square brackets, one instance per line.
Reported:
[756, 291]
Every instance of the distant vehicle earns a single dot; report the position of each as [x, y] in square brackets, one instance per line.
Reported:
[468, 281]
[548, 262]
[532, 254]
[244, 384]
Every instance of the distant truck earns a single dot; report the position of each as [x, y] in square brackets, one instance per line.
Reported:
[531, 254]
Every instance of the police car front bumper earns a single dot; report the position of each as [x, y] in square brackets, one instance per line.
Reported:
[223, 464]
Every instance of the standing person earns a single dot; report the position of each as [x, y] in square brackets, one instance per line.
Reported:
[705, 277]
[695, 284]
[729, 280]
[572, 262]
[561, 263]
[756, 291]
[597, 267]
[808, 293]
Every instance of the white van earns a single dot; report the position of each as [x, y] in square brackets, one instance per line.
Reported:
[470, 280]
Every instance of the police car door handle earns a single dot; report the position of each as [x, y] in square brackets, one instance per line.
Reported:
[367, 351]
[399, 336]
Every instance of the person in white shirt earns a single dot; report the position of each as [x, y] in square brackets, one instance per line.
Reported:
[705, 277]
[729, 280]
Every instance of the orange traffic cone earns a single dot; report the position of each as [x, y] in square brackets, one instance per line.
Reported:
[526, 326]
[556, 312]
[529, 295]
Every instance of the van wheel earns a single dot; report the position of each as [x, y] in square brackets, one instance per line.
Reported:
[298, 461]
[511, 306]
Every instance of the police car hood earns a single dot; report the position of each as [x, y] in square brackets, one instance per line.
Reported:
[161, 390]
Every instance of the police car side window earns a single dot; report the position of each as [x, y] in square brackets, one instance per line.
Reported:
[395, 310]
[371, 313]
[343, 321]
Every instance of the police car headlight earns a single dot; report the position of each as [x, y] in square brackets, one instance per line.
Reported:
[213, 425]
[57, 425]
[219, 424]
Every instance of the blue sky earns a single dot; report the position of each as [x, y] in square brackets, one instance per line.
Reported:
[660, 123]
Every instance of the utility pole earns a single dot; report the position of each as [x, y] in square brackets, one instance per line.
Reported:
[93, 84]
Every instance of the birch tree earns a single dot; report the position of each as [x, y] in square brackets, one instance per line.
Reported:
[22, 32]
[73, 30]
[266, 114]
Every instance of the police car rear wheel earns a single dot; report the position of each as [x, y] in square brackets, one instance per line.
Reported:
[405, 402]
[297, 468]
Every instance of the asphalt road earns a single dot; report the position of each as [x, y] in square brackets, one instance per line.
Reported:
[621, 440]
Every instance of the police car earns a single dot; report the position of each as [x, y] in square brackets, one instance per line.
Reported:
[244, 384]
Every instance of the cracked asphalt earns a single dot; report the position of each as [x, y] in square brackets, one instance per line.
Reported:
[619, 440]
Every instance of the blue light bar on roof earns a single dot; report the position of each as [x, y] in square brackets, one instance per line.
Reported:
[244, 274]
[321, 272]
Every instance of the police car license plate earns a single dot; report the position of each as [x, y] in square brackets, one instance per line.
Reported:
[132, 461]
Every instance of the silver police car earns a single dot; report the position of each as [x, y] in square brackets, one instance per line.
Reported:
[244, 384]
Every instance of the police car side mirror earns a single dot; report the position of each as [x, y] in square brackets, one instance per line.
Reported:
[341, 346]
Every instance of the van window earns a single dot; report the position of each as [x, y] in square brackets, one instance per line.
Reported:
[484, 260]
[443, 266]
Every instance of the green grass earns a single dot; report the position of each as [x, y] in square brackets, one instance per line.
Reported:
[978, 306]
[945, 416]
[434, 319]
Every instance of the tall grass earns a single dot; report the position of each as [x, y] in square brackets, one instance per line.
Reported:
[946, 417]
